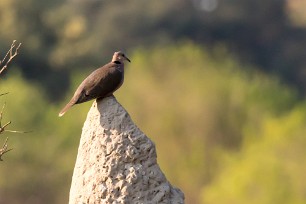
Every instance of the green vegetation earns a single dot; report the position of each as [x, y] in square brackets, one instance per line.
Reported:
[219, 88]
[268, 169]
[224, 133]
[60, 37]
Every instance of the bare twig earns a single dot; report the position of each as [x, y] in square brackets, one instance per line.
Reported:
[2, 127]
[4, 149]
[4, 94]
[13, 51]
[1, 115]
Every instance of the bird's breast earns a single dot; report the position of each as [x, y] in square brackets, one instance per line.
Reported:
[120, 68]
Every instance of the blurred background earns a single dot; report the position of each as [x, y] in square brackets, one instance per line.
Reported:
[218, 85]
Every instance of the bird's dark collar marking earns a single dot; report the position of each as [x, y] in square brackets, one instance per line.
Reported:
[117, 62]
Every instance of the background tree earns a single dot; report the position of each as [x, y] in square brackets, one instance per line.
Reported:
[62, 36]
[13, 51]
[222, 82]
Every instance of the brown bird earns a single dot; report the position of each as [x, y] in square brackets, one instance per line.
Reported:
[100, 83]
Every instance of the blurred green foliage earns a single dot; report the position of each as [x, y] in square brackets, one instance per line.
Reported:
[269, 169]
[60, 37]
[38, 170]
[224, 133]
[218, 86]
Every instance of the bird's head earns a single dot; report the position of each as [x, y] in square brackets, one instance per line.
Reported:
[120, 57]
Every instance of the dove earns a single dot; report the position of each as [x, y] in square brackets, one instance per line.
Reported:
[101, 83]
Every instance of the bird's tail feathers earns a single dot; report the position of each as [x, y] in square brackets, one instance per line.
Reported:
[64, 110]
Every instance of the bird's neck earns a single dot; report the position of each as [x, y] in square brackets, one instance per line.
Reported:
[117, 62]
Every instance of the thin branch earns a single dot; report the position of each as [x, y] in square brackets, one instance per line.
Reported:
[2, 127]
[1, 114]
[18, 131]
[4, 149]
[13, 51]
[4, 94]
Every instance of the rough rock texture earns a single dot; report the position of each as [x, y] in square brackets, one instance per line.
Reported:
[116, 162]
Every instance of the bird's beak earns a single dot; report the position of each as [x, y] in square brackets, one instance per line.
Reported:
[127, 59]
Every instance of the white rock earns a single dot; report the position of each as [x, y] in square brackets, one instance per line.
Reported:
[116, 162]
